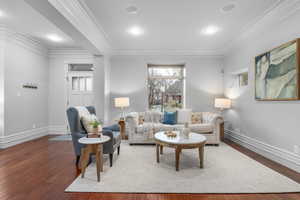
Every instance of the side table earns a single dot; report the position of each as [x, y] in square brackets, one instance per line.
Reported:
[122, 129]
[93, 146]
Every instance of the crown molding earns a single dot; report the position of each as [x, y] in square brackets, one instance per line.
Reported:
[279, 11]
[70, 52]
[22, 40]
[168, 52]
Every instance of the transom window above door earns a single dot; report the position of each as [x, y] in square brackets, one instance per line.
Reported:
[166, 87]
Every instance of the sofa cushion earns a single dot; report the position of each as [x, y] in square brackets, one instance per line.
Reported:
[135, 117]
[196, 118]
[201, 128]
[162, 127]
[170, 118]
[177, 127]
[147, 126]
[183, 116]
[153, 116]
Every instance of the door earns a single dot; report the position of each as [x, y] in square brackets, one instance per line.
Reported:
[80, 89]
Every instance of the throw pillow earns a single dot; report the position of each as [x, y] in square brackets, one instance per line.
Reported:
[196, 118]
[87, 120]
[141, 119]
[170, 118]
[184, 116]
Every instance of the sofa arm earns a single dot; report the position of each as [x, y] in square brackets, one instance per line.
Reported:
[108, 147]
[131, 123]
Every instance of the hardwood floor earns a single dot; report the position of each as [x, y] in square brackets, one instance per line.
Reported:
[42, 169]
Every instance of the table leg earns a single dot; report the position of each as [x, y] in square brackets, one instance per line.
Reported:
[101, 157]
[157, 153]
[84, 159]
[161, 149]
[98, 162]
[177, 157]
[201, 155]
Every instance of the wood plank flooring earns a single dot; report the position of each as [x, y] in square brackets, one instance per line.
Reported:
[42, 169]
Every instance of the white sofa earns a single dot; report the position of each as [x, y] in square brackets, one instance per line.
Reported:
[140, 127]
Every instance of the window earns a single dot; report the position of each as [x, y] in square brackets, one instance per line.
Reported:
[166, 87]
[82, 83]
[243, 79]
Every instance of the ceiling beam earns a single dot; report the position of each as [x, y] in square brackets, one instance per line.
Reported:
[71, 18]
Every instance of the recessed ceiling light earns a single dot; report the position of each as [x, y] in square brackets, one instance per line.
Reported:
[210, 30]
[132, 10]
[135, 30]
[54, 38]
[228, 7]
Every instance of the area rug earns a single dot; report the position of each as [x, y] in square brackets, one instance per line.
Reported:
[61, 138]
[225, 171]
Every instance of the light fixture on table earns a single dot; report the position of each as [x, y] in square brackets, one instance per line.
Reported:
[222, 103]
[122, 102]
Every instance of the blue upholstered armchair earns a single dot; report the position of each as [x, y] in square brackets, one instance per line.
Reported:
[78, 131]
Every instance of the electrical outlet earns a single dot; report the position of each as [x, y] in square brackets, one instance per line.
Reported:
[296, 149]
[33, 126]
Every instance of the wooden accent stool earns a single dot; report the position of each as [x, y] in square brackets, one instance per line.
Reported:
[195, 141]
[93, 146]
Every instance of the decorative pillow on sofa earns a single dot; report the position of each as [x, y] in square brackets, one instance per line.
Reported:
[86, 121]
[170, 118]
[184, 115]
[196, 118]
[141, 119]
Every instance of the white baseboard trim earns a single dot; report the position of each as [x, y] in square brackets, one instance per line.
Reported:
[20, 137]
[57, 130]
[284, 157]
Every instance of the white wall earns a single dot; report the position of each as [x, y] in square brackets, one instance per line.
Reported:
[129, 77]
[59, 59]
[58, 62]
[270, 128]
[25, 110]
[2, 55]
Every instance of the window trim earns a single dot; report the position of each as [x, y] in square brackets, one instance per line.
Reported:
[183, 78]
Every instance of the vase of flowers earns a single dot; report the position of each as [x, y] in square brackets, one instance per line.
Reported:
[186, 131]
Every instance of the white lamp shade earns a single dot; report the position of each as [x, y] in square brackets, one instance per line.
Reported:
[222, 103]
[122, 102]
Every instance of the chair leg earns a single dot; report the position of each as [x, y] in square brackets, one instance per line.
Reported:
[118, 150]
[77, 160]
[111, 159]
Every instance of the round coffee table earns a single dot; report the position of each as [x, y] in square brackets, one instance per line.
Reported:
[93, 146]
[195, 140]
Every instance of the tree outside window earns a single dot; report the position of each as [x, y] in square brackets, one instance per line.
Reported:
[165, 87]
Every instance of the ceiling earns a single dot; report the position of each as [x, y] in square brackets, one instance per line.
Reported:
[19, 16]
[174, 24]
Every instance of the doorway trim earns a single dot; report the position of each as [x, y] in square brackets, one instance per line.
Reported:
[66, 71]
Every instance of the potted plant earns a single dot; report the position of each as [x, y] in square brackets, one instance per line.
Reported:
[96, 126]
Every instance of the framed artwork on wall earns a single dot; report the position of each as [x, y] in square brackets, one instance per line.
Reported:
[277, 73]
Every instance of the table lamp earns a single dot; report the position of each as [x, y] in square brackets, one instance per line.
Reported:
[222, 103]
[122, 102]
